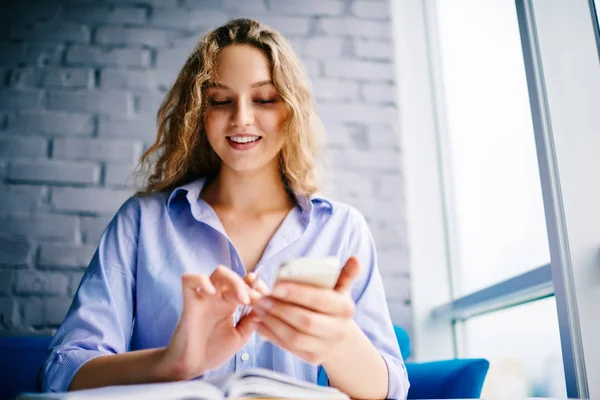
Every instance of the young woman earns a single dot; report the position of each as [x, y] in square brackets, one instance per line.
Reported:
[231, 195]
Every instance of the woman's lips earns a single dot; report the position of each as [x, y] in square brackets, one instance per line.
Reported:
[243, 146]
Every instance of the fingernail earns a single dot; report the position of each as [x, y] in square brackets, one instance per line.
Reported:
[280, 292]
[265, 303]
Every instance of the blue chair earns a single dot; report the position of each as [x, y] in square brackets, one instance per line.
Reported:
[447, 379]
[20, 359]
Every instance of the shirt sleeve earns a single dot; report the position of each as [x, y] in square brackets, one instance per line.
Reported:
[100, 318]
[372, 313]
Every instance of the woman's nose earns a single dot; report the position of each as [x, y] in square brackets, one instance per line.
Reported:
[244, 114]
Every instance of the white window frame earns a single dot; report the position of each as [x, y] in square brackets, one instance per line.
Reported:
[567, 134]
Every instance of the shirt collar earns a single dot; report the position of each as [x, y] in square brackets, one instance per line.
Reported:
[192, 193]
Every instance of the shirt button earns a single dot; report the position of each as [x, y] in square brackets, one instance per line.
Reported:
[245, 357]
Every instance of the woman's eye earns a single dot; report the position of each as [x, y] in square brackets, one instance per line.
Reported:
[264, 101]
[214, 102]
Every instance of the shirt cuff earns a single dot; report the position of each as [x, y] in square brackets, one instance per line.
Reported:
[61, 366]
[397, 378]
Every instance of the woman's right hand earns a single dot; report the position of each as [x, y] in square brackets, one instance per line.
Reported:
[206, 336]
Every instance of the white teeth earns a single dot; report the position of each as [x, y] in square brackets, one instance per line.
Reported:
[244, 139]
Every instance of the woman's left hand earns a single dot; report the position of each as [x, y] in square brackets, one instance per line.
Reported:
[309, 321]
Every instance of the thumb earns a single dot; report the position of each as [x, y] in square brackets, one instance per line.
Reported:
[247, 326]
[349, 272]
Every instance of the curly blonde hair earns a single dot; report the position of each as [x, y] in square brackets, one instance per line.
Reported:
[182, 151]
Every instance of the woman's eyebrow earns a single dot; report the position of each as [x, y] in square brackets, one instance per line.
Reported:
[220, 85]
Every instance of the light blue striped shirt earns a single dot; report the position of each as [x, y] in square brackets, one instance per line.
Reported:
[130, 295]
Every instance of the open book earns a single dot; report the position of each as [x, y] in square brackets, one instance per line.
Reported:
[249, 383]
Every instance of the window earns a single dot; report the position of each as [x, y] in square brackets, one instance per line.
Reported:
[523, 346]
[500, 145]
[495, 186]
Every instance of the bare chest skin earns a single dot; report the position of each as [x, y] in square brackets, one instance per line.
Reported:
[251, 234]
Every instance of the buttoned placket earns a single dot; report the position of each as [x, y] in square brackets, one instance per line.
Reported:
[246, 356]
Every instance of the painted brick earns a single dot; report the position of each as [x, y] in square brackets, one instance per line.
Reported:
[374, 49]
[383, 135]
[51, 123]
[379, 93]
[20, 197]
[95, 200]
[365, 113]
[14, 99]
[355, 27]
[114, 102]
[96, 149]
[92, 228]
[148, 101]
[9, 314]
[378, 160]
[7, 282]
[53, 171]
[191, 20]
[39, 226]
[51, 283]
[141, 126]
[153, 3]
[99, 14]
[51, 31]
[30, 54]
[59, 255]
[112, 78]
[308, 7]
[36, 11]
[53, 77]
[98, 56]
[397, 287]
[370, 71]
[15, 253]
[112, 35]
[288, 26]
[74, 281]
[119, 175]
[256, 6]
[371, 9]
[23, 147]
[326, 89]
[172, 59]
[401, 314]
[39, 312]
[320, 47]
[394, 261]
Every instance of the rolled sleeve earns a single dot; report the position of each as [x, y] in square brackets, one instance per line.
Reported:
[397, 378]
[100, 319]
[372, 313]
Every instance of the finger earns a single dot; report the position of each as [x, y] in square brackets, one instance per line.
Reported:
[299, 318]
[347, 275]
[254, 282]
[325, 301]
[247, 325]
[230, 284]
[199, 283]
[288, 337]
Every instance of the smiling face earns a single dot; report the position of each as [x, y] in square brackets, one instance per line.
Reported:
[245, 113]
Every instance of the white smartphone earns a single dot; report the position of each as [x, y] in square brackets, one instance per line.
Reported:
[318, 271]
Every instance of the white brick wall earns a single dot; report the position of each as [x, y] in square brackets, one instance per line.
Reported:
[80, 84]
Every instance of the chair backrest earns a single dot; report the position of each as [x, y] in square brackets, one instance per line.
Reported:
[20, 359]
[403, 341]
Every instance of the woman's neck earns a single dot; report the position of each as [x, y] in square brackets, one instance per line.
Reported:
[248, 192]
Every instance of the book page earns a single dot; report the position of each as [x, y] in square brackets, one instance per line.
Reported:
[260, 382]
[188, 390]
